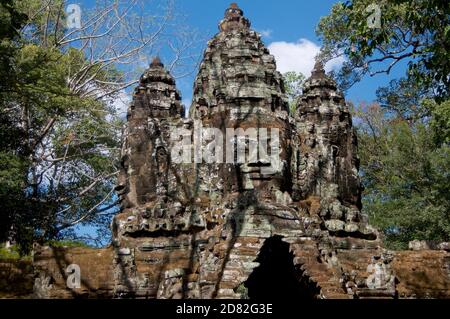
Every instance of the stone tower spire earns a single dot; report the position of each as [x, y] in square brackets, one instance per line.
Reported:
[148, 186]
[155, 101]
[318, 70]
[158, 92]
[156, 62]
[328, 166]
[234, 19]
[237, 69]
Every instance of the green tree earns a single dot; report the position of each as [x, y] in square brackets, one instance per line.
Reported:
[58, 147]
[404, 137]
[60, 127]
[70, 144]
[293, 86]
[13, 162]
[405, 174]
[414, 32]
[403, 98]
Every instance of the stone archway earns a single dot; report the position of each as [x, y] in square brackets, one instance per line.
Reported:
[276, 276]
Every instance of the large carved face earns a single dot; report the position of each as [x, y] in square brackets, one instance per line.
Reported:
[265, 168]
[256, 149]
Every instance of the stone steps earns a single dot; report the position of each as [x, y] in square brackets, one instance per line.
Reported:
[307, 256]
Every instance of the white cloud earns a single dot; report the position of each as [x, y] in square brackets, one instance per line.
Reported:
[266, 33]
[299, 56]
[121, 103]
[187, 104]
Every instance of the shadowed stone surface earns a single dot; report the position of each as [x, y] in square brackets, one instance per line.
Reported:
[216, 230]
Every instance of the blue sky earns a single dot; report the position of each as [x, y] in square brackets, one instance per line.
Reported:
[288, 28]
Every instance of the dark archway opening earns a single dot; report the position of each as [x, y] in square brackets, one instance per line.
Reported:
[276, 277]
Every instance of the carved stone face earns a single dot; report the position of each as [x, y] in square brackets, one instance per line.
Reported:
[265, 171]
[260, 148]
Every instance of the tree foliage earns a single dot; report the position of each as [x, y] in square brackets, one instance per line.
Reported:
[293, 86]
[60, 128]
[405, 172]
[404, 142]
[62, 147]
[415, 32]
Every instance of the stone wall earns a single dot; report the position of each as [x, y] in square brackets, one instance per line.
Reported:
[51, 272]
[352, 271]
[16, 278]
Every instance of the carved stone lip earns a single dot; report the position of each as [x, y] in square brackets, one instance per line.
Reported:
[259, 164]
[261, 177]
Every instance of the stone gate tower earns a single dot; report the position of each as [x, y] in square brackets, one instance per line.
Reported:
[206, 230]
[288, 225]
